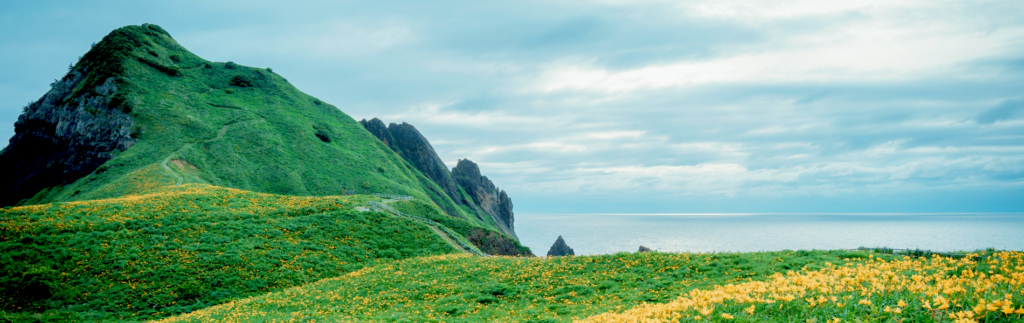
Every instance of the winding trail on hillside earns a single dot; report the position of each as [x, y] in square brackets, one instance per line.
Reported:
[220, 135]
[178, 178]
[448, 239]
[444, 232]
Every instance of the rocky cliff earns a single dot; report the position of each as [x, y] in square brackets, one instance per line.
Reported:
[491, 199]
[379, 130]
[405, 140]
[63, 136]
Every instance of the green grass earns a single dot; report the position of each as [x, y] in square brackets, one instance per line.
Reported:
[186, 248]
[456, 288]
[230, 125]
[485, 236]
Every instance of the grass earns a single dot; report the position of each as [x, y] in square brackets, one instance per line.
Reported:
[187, 247]
[457, 288]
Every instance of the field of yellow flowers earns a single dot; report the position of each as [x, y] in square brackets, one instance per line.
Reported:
[459, 288]
[985, 287]
[185, 248]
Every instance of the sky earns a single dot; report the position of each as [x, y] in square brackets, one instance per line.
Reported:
[629, 106]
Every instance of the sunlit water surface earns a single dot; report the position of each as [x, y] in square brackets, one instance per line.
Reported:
[610, 233]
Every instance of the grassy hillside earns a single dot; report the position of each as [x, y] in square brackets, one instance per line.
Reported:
[228, 125]
[802, 286]
[484, 236]
[187, 247]
[456, 288]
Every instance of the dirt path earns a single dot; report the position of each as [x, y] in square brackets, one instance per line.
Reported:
[178, 178]
[449, 239]
[220, 135]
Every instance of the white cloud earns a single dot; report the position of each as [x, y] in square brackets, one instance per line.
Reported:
[882, 47]
[745, 9]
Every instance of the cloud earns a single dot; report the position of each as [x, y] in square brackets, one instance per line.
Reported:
[875, 53]
[1004, 111]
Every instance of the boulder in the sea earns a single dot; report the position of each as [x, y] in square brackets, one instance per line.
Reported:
[644, 249]
[560, 249]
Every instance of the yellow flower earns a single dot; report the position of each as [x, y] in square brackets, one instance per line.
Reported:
[749, 310]
[901, 303]
[727, 316]
[865, 302]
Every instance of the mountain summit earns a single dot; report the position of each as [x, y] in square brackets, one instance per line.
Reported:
[139, 112]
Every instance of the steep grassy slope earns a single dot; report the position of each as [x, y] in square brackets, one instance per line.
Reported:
[455, 288]
[218, 123]
[188, 247]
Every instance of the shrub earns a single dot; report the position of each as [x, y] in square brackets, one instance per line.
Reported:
[241, 81]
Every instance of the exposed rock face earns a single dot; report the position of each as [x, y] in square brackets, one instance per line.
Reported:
[560, 249]
[644, 249]
[411, 145]
[62, 137]
[379, 130]
[405, 140]
[491, 199]
[494, 243]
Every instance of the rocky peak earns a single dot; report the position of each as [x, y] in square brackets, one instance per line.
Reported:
[560, 249]
[491, 199]
[409, 143]
[379, 130]
[413, 147]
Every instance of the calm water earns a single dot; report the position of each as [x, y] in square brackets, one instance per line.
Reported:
[607, 233]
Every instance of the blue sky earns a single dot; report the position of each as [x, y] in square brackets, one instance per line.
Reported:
[630, 106]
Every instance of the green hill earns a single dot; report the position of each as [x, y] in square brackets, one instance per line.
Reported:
[150, 182]
[139, 99]
[182, 248]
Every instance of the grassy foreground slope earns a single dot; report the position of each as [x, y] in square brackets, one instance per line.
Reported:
[229, 125]
[456, 288]
[183, 248]
[983, 287]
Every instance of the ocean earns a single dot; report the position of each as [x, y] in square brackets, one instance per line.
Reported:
[611, 233]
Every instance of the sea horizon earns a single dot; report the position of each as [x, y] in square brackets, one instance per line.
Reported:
[607, 233]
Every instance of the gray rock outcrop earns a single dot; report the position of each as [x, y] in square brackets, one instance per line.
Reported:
[64, 136]
[644, 249]
[560, 249]
[413, 147]
[492, 200]
[409, 143]
[379, 130]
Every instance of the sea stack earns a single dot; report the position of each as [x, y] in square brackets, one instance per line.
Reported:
[560, 249]
[644, 249]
